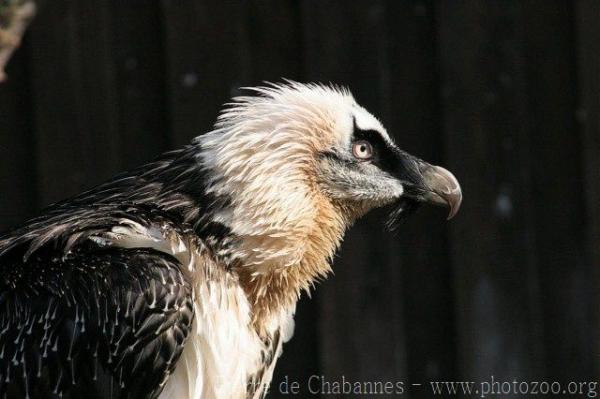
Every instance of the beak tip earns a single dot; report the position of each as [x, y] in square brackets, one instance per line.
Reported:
[453, 211]
[444, 187]
[454, 202]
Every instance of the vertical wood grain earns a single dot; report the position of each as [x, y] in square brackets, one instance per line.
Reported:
[486, 134]
[18, 193]
[74, 96]
[588, 58]
[557, 187]
[207, 61]
[139, 58]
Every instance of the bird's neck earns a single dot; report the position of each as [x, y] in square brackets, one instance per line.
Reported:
[275, 251]
[274, 287]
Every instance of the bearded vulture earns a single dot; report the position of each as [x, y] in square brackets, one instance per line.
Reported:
[180, 278]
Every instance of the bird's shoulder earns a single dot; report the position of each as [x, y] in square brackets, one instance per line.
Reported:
[93, 300]
[99, 319]
[66, 225]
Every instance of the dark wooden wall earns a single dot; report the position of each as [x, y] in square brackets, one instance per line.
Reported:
[504, 93]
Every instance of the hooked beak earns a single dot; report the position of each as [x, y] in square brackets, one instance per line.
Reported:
[441, 187]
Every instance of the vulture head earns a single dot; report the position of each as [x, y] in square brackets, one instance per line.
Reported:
[297, 164]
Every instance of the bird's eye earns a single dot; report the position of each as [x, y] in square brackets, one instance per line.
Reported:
[362, 149]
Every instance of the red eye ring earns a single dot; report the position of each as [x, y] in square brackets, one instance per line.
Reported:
[362, 150]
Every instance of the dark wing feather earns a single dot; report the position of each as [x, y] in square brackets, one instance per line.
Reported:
[98, 322]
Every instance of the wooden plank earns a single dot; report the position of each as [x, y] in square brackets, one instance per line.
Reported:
[555, 152]
[273, 35]
[588, 57]
[361, 334]
[207, 62]
[98, 81]
[414, 118]
[486, 130]
[74, 96]
[18, 197]
[137, 45]
[214, 48]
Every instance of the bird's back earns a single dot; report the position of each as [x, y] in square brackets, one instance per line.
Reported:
[82, 319]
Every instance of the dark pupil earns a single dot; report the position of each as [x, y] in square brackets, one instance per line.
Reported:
[363, 148]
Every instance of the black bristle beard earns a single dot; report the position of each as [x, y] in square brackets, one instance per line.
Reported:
[401, 209]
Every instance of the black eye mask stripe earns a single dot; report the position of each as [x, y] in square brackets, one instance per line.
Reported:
[387, 157]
